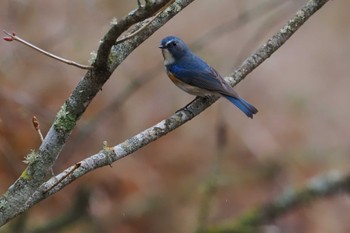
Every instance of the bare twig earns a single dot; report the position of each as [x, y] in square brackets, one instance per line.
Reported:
[143, 24]
[71, 170]
[132, 34]
[37, 127]
[14, 37]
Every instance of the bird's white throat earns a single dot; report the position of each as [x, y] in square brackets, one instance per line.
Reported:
[168, 57]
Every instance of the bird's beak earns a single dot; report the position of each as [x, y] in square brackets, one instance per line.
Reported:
[161, 47]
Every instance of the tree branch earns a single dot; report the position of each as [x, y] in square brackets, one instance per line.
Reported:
[321, 186]
[31, 183]
[111, 154]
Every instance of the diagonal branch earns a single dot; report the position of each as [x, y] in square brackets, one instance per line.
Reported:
[111, 154]
[321, 186]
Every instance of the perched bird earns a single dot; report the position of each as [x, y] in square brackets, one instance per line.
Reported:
[193, 75]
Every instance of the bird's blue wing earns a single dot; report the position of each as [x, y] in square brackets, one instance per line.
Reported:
[200, 74]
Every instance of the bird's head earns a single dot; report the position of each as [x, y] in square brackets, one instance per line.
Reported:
[173, 48]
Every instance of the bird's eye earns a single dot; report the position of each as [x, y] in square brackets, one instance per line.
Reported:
[173, 44]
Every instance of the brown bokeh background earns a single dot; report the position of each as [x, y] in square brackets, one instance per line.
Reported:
[302, 129]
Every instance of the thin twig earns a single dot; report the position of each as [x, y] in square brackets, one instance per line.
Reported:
[12, 37]
[137, 31]
[37, 127]
[75, 167]
[132, 34]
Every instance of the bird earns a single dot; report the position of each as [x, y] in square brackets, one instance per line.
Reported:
[194, 76]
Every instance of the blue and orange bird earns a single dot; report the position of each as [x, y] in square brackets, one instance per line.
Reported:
[193, 75]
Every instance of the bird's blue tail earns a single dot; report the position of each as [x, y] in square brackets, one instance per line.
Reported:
[243, 105]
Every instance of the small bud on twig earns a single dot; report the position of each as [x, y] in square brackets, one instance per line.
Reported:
[8, 38]
[12, 36]
[36, 125]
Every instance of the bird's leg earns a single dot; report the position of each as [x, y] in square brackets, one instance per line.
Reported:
[186, 107]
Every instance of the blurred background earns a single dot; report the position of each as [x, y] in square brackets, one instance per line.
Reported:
[214, 168]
